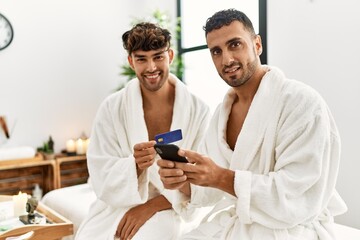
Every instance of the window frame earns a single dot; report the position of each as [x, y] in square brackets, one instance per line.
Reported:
[262, 32]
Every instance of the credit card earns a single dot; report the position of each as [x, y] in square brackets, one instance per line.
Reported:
[169, 137]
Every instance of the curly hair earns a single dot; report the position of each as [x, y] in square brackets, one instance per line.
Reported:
[146, 36]
[225, 17]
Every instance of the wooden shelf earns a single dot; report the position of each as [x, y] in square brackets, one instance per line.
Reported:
[60, 227]
[71, 170]
[6, 164]
[22, 175]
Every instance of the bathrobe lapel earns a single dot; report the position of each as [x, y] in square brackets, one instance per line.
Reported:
[134, 115]
[257, 124]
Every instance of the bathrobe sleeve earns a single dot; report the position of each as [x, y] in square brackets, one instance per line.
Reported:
[298, 188]
[110, 161]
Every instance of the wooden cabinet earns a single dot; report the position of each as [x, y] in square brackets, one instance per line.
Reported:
[71, 170]
[23, 174]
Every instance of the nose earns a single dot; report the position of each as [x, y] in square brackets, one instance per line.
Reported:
[151, 66]
[227, 58]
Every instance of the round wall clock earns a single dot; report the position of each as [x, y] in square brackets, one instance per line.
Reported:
[6, 32]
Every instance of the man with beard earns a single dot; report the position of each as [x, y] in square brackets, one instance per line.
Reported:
[131, 200]
[270, 157]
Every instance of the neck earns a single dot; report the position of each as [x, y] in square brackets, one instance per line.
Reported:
[247, 92]
[165, 95]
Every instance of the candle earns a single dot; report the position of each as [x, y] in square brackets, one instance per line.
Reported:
[86, 143]
[80, 147]
[19, 202]
[70, 146]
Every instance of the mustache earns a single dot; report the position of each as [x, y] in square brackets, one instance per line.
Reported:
[233, 64]
[153, 72]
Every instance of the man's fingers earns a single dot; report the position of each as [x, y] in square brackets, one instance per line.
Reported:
[144, 145]
[122, 228]
[128, 232]
[145, 164]
[172, 176]
[170, 172]
[174, 180]
[144, 152]
[133, 232]
[165, 163]
[192, 157]
[127, 228]
[176, 185]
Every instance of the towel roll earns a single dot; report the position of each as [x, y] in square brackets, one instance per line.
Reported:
[10, 153]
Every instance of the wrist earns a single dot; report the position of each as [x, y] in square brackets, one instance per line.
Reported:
[158, 203]
[138, 170]
[225, 180]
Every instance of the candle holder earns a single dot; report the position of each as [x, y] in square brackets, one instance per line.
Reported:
[71, 154]
[32, 217]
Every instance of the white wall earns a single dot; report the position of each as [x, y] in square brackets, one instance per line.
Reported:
[64, 60]
[317, 42]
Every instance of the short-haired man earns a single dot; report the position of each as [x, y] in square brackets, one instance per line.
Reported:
[131, 200]
[271, 154]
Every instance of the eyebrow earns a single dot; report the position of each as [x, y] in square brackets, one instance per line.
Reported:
[232, 40]
[154, 55]
[227, 42]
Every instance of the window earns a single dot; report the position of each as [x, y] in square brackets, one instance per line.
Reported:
[199, 71]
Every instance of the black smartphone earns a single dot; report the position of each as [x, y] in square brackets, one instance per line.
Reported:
[169, 152]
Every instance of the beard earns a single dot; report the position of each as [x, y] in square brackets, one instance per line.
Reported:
[237, 80]
[156, 85]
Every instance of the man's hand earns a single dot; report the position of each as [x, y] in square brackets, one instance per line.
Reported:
[205, 172]
[133, 220]
[173, 177]
[144, 154]
[137, 216]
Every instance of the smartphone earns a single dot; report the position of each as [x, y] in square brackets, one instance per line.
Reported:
[169, 152]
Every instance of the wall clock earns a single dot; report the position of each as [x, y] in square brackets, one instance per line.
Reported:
[6, 32]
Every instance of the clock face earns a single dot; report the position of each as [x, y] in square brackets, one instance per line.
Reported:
[6, 32]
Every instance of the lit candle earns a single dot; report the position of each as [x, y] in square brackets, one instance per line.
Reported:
[70, 146]
[86, 143]
[19, 202]
[80, 148]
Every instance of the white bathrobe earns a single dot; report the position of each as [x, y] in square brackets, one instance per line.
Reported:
[286, 163]
[118, 126]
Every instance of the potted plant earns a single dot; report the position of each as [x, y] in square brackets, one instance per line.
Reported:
[47, 149]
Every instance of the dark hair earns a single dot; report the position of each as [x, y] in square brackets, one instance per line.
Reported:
[145, 36]
[225, 17]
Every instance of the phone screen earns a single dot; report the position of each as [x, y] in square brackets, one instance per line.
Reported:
[169, 152]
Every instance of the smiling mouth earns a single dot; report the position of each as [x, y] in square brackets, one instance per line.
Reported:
[231, 69]
[152, 77]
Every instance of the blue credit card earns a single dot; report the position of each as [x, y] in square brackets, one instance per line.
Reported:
[169, 137]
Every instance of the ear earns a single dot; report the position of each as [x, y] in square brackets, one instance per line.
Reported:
[131, 63]
[258, 45]
[171, 55]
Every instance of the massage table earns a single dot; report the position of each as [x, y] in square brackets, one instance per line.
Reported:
[73, 203]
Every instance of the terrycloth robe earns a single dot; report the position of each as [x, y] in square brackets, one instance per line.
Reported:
[118, 126]
[286, 163]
